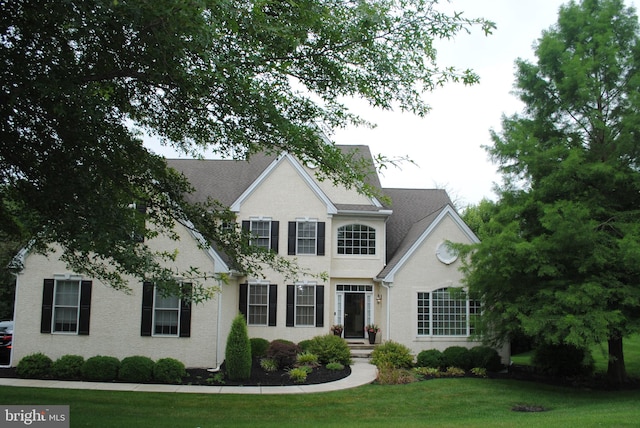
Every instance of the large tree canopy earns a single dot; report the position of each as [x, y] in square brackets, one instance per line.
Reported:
[560, 257]
[81, 79]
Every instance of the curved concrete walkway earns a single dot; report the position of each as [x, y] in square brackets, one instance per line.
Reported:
[362, 373]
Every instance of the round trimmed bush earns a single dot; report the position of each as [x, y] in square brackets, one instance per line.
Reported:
[169, 370]
[563, 360]
[392, 355]
[258, 347]
[34, 366]
[485, 357]
[330, 349]
[304, 344]
[430, 358]
[101, 368]
[136, 369]
[284, 353]
[68, 367]
[457, 356]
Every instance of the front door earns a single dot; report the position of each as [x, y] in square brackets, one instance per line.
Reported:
[354, 312]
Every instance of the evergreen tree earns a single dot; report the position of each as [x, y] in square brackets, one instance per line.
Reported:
[561, 259]
[237, 355]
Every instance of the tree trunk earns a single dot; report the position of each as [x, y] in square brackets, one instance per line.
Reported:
[616, 371]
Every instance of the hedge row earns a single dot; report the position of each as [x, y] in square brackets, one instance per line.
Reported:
[101, 368]
[458, 356]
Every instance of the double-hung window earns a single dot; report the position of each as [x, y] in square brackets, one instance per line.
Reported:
[446, 313]
[306, 237]
[165, 315]
[66, 305]
[258, 303]
[305, 305]
[264, 232]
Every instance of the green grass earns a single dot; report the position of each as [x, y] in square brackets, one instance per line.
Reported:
[599, 353]
[439, 402]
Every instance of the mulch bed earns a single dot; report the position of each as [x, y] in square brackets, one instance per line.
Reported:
[197, 376]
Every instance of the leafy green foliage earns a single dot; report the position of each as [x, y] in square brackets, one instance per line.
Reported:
[559, 258]
[563, 360]
[388, 374]
[298, 374]
[307, 359]
[137, 369]
[335, 366]
[34, 366]
[169, 370]
[258, 347]
[457, 356]
[67, 367]
[101, 368]
[392, 354]
[330, 348]
[237, 355]
[232, 78]
[430, 358]
[284, 352]
[485, 357]
[269, 364]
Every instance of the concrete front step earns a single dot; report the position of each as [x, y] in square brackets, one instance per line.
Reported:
[360, 349]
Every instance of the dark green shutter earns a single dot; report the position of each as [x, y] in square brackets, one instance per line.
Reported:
[47, 306]
[85, 307]
[185, 310]
[291, 303]
[291, 235]
[320, 240]
[244, 296]
[319, 305]
[275, 231]
[273, 304]
[147, 309]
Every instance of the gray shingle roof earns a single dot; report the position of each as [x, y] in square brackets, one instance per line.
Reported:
[413, 209]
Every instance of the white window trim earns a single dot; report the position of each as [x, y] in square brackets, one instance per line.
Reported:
[298, 287]
[315, 237]
[359, 256]
[264, 219]
[153, 320]
[249, 284]
[430, 328]
[65, 277]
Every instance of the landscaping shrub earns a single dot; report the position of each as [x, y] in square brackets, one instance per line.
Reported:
[390, 375]
[68, 367]
[430, 358]
[335, 366]
[457, 356]
[101, 368]
[258, 347]
[298, 374]
[392, 354]
[269, 365]
[331, 349]
[304, 344]
[307, 359]
[283, 352]
[34, 366]
[238, 352]
[563, 360]
[169, 370]
[136, 369]
[485, 357]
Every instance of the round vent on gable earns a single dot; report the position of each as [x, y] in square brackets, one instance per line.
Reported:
[446, 254]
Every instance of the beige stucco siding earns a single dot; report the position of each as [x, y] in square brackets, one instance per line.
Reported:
[423, 272]
[115, 320]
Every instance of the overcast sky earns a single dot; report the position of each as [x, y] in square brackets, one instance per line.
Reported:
[446, 145]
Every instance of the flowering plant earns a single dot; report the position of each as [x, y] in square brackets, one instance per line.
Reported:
[337, 329]
[372, 328]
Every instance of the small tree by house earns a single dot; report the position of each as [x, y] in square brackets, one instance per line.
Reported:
[238, 352]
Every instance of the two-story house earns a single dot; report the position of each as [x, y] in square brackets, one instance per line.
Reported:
[384, 263]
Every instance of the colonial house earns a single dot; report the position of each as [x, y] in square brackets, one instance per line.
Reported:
[386, 264]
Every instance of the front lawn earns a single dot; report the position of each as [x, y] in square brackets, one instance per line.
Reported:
[447, 402]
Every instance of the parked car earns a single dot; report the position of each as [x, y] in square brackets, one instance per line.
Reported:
[6, 339]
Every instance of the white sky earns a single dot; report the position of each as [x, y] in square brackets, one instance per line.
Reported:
[446, 145]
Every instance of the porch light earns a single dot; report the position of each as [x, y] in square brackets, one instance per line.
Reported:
[379, 298]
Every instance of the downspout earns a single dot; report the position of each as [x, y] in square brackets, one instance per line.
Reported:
[388, 308]
[219, 316]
